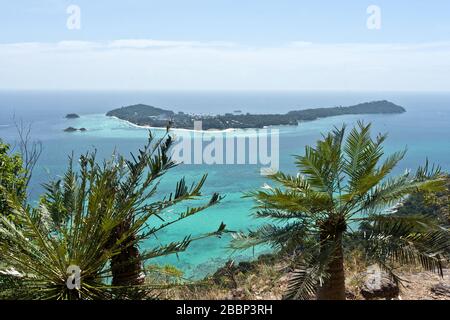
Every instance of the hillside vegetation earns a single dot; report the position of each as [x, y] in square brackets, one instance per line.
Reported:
[145, 115]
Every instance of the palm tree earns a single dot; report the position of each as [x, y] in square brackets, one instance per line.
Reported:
[94, 220]
[342, 183]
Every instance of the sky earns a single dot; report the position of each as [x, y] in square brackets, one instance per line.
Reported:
[225, 45]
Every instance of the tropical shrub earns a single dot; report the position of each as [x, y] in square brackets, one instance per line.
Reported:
[82, 241]
[345, 182]
[12, 177]
[435, 204]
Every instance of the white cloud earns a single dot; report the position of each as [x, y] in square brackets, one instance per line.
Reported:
[147, 44]
[142, 64]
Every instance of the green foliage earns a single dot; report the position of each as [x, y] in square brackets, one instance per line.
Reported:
[89, 218]
[344, 181]
[166, 274]
[12, 177]
[435, 205]
[408, 239]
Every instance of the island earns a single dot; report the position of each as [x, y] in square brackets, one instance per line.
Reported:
[72, 129]
[72, 116]
[145, 115]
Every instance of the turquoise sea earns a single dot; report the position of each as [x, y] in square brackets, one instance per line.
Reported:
[424, 129]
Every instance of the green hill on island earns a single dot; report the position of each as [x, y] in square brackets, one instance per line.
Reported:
[145, 115]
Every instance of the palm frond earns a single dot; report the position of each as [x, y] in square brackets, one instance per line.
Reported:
[391, 191]
[277, 236]
[298, 183]
[306, 203]
[413, 240]
[311, 272]
[362, 154]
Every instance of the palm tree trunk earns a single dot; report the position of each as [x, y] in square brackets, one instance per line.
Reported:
[334, 287]
[126, 267]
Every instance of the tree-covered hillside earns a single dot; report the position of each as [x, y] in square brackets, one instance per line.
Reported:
[145, 115]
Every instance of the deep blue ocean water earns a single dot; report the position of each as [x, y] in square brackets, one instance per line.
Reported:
[424, 129]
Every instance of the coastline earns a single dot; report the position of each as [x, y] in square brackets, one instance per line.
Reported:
[131, 124]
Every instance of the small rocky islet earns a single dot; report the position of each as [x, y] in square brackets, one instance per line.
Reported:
[72, 129]
[72, 116]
